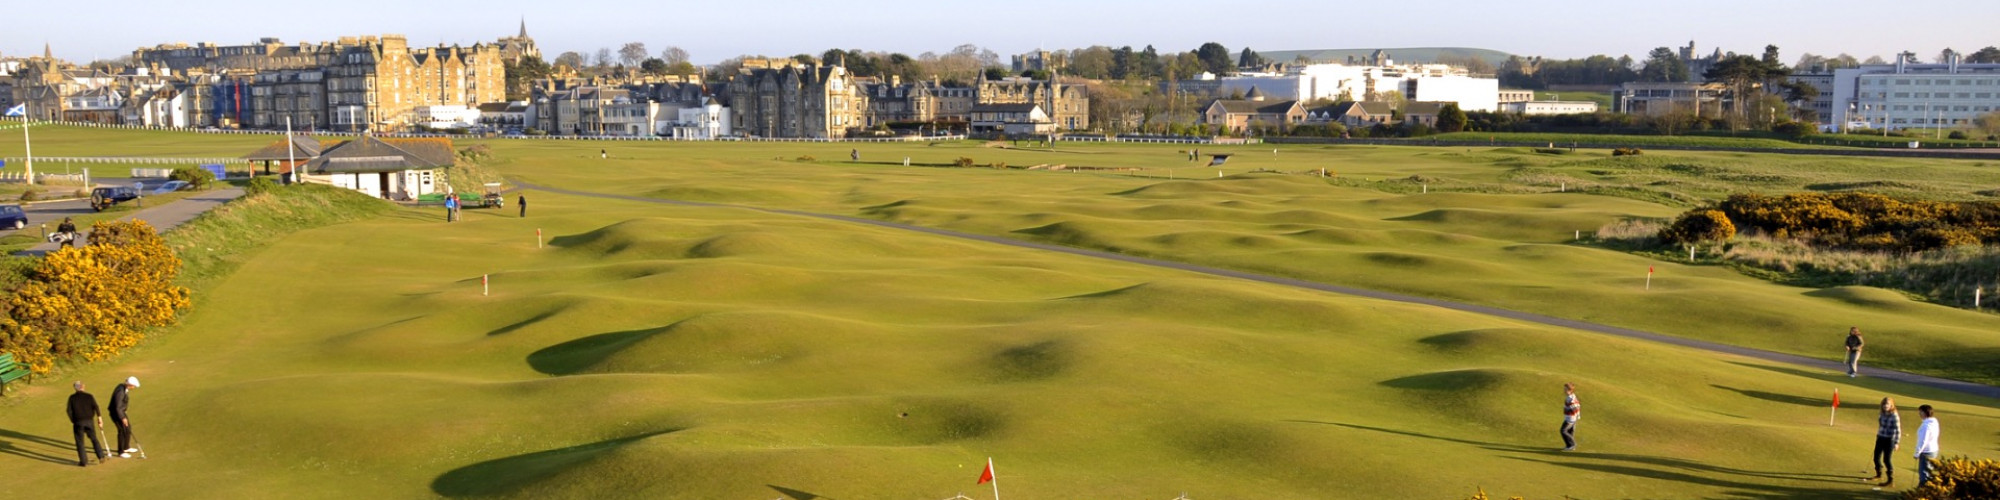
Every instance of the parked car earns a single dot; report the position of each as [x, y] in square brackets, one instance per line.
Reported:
[12, 217]
[105, 197]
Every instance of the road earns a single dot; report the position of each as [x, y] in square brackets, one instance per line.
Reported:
[162, 217]
[1829, 366]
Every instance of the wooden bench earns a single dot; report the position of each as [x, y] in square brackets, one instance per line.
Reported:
[10, 370]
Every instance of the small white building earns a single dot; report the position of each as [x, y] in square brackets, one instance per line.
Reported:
[707, 122]
[1471, 94]
[393, 169]
[1550, 107]
[445, 116]
[1011, 119]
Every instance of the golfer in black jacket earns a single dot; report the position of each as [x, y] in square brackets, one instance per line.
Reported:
[121, 400]
[84, 421]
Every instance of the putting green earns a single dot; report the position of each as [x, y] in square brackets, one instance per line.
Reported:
[685, 352]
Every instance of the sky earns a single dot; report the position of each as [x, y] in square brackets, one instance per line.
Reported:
[712, 31]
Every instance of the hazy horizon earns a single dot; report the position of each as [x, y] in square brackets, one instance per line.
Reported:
[1559, 29]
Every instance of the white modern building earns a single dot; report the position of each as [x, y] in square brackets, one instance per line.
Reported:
[1340, 82]
[447, 116]
[1471, 94]
[1908, 95]
[707, 122]
[1550, 107]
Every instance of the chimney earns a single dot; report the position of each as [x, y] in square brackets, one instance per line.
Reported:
[895, 80]
[1951, 61]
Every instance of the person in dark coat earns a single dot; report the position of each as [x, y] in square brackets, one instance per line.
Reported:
[84, 421]
[68, 230]
[523, 202]
[121, 400]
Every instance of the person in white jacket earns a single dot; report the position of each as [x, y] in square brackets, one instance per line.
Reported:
[1927, 444]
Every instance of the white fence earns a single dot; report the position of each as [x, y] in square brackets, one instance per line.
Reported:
[325, 133]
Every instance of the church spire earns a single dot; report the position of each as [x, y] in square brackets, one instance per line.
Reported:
[46, 53]
[524, 26]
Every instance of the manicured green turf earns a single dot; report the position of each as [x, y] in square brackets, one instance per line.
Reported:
[673, 352]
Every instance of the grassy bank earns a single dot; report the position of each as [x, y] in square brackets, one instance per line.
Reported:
[211, 245]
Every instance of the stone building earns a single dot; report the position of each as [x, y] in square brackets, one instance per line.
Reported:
[784, 98]
[1068, 105]
[925, 102]
[353, 83]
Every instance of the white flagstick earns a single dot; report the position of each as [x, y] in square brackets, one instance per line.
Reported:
[28, 145]
[996, 478]
[538, 237]
[484, 286]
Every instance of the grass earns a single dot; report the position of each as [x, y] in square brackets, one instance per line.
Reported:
[1642, 141]
[686, 352]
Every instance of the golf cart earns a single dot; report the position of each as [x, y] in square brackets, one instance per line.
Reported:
[493, 198]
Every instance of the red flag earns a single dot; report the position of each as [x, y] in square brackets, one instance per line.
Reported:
[1836, 398]
[1649, 270]
[986, 475]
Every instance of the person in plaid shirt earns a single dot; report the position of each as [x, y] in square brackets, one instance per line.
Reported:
[1888, 436]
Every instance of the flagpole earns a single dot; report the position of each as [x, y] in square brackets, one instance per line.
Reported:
[290, 161]
[996, 478]
[1836, 406]
[29, 145]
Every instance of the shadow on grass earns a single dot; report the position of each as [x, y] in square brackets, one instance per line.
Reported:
[580, 354]
[1744, 490]
[1687, 466]
[507, 475]
[1855, 403]
[8, 439]
[1878, 384]
[796, 494]
[524, 323]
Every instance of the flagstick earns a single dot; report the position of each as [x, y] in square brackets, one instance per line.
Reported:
[996, 478]
[29, 145]
[1836, 406]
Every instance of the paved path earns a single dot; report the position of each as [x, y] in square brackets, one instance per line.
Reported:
[162, 217]
[1832, 367]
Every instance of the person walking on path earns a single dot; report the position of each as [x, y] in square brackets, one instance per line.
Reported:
[1927, 443]
[523, 202]
[68, 230]
[1853, 351]
[1572, 411]
[84, 420]
[602, 154]
[451, 207]
[121, 401]
[854, 155]
[1888, 437]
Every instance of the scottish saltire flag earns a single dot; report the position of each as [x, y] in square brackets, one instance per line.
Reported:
[18, 110]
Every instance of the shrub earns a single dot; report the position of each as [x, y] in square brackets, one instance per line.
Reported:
[1957, 134]
[31, 194]
[93, 302]
[805, 158]
[197, 178]
[1700, 226]
[1627, 152]
[962, 162]
[259, 185]
[1959, 478]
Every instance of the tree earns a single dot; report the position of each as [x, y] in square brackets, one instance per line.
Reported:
[1874, 60]
[1215, 59]
[1740, 74]
[603, 57]
[1944, 56]
[673, 55]
[682, 68]
[1150, 65]
[996, 73]
[632, 53]
[1450, 118]
[1988, 123]
[1988, 55]
[1664, 65]
[653, 66]
[571, 60]
[1474, 65]
[1843, 60]
[1251, 59]
[520, 75]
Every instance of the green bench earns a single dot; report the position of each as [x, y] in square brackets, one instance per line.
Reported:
[10, 370]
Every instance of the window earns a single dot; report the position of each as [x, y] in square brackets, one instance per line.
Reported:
[1902, 95]
[1902, 82]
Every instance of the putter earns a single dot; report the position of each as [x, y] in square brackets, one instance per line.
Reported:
[101, 459]
[137, 446]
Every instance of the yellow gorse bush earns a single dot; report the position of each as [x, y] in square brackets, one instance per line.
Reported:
[93, 302]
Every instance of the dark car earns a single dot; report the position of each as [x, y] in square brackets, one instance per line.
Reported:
[104, 197]
[12, 217]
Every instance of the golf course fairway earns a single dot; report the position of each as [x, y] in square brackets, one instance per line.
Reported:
[652, 350]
